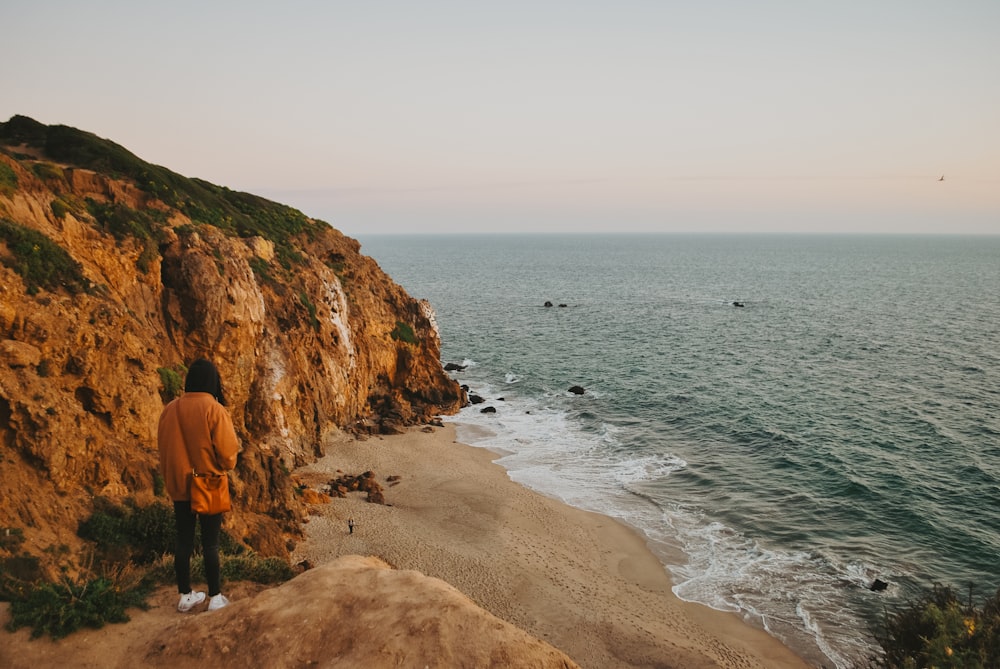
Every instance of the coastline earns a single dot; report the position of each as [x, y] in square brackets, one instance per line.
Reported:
[583, 582]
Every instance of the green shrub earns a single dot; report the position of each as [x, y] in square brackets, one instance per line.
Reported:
[130, 533]
[937, 630]
[65, 204]
[39, 261]
[237, 563]
[59, 208]
[404, 332]
[253, 567]
[48, 172]
[59, 609]
[150, 252]
[311, 308]
[261, 269]
[172, 380]
[124, 222]
[11, 538]
[18, 569]
[8, 180]
[159, 485]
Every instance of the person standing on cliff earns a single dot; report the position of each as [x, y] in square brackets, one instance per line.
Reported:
[195, 432]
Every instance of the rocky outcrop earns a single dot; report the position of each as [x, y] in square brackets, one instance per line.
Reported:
[366, 483]
[325, 617]
[115, 273]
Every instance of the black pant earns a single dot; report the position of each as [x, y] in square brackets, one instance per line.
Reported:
[210, 528]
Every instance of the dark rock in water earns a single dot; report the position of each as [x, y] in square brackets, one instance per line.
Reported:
[577, 390]
[500, 399]
[488, 410]
[454, 367]
[475, 399]
[738, 304]
[547, 303]
[878, 585]
[562, 305]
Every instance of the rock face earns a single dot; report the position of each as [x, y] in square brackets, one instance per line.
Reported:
[325, 618]
[115, 273]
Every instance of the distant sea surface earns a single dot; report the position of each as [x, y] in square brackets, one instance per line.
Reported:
[841, 426]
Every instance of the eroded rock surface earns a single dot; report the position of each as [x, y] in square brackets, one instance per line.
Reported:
[310, 335]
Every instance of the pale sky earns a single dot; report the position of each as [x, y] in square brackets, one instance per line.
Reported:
[626, 115]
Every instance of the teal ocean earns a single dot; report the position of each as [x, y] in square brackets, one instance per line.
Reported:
[842, 426]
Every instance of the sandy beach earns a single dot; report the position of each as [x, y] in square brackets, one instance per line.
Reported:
[583, 582]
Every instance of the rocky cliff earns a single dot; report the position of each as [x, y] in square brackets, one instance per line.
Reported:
[115, 273]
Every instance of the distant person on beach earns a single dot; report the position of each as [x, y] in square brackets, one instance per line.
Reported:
[195, 432]
[350, 526]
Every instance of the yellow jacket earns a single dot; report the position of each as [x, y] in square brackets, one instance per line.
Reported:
[194, 432]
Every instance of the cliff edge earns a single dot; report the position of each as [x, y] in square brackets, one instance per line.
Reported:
[352, 612]
[115, 273]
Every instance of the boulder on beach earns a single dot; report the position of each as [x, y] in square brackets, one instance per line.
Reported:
[366, 483]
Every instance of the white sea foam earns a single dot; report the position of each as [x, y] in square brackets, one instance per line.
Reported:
[543, 449]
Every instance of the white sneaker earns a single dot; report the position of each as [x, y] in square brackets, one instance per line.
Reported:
[217, 602]
[190, 600]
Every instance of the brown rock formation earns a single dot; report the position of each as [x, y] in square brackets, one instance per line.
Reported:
[114, 273]
[366, 483]
[427, 623]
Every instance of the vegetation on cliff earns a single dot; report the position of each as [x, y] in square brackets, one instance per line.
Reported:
[234, 212]
[40, 262]
[937, 629]
[131, 554]
[115, 274]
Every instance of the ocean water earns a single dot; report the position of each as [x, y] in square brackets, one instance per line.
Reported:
[842, 426]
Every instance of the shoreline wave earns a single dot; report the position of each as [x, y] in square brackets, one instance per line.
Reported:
[709, 563]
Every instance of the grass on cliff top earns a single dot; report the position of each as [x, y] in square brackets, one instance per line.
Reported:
[236, 213]
[131, 555]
